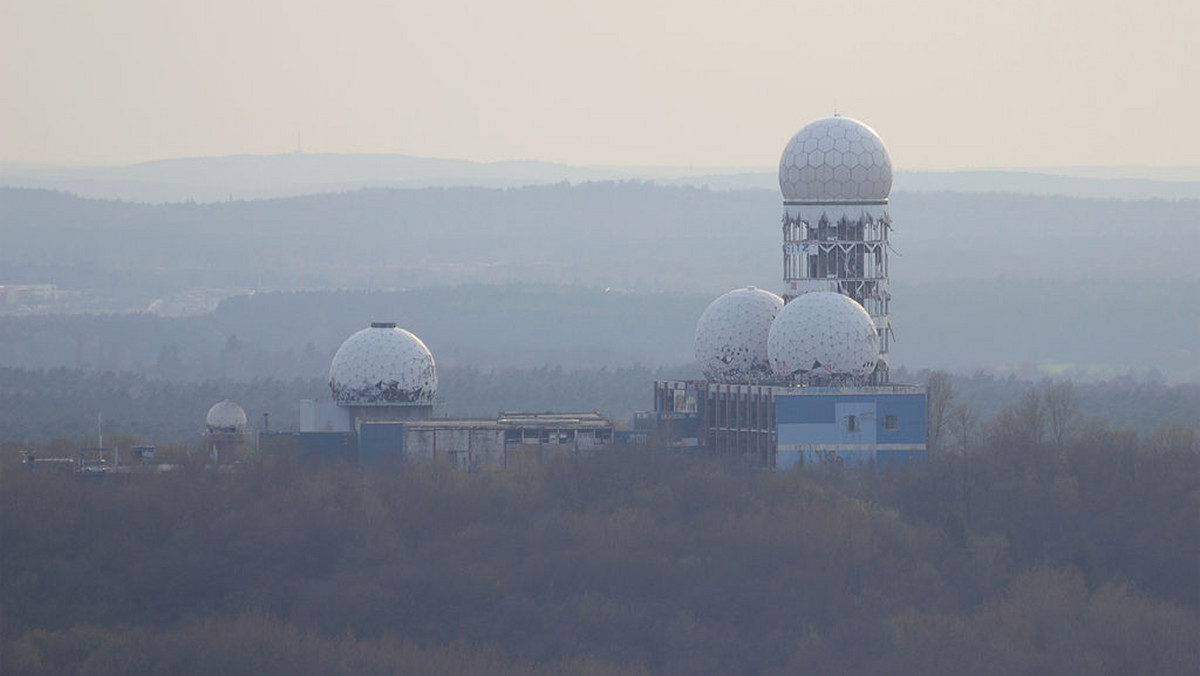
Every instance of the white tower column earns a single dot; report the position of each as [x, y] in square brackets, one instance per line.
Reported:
[835, 175]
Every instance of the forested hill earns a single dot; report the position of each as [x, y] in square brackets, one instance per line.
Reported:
[493, 278]
[628, 235]
[604, 234]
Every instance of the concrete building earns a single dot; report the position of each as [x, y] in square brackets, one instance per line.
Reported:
[512, 440]
[509, 441]
[861, 426]
[783, 426]
[384, 382]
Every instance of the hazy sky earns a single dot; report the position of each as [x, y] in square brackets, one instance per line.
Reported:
[947, 83]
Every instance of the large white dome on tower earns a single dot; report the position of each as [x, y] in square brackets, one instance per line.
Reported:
[823, 334]
[226, 417]
[383, 365]
[731, 335]
[835, 159]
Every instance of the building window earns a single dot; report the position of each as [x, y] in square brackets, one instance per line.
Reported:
[890, 423]
[851, 423]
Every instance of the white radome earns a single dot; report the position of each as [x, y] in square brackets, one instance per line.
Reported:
[731, 335]
[226, 417]
[823, 334]
[383, 365]
[835, 159]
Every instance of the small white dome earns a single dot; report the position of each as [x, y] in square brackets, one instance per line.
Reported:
[383, 365]
[823, 334]
[731, 335]
[226, 417]
[835, 159]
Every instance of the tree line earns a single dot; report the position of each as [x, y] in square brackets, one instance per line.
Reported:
[38, 406]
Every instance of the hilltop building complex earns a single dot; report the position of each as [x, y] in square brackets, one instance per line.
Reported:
[803, 377]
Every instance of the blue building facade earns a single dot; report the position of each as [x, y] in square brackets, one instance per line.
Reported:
[781, 426]
[849, 427]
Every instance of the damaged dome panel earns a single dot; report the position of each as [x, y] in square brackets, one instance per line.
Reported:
[226, 417]
[383, 365]
[823, 335]
[731, 336]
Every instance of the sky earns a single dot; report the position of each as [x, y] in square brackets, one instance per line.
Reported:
[947, 83]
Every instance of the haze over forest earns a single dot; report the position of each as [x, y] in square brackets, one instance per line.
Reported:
[607, 273]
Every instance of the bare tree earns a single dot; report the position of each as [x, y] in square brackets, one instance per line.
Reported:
[963, 423]
[1031, 417]
[939, 396]
[1020, 426]
[1062, 410]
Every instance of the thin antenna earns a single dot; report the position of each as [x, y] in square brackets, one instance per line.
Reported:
[299, 148]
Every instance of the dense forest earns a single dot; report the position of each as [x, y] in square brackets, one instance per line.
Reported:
[295, 334]
[1085, 330]
[1029, 545]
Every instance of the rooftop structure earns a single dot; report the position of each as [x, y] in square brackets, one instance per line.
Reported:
[823, 338]
[835, 159]
[383, 366]
[225, 429]
[731, 336]
[225, 417]
[835, 176]
[383, 373]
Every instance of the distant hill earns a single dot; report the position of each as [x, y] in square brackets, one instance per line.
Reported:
[628, 235]
[516, 277]
[242, 177]
[1183, 184]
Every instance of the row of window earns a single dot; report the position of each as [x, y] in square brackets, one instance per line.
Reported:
[556, 436]
[890, 423]
[852, 232]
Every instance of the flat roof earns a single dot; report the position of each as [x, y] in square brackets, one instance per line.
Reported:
[784, 390]
[588, 420]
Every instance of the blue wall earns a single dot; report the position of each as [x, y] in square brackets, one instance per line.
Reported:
[327, 446]
[380, 441]
[813, 428]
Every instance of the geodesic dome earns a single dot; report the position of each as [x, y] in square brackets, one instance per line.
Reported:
[731, 335]
[835, 159]
[823, 335]
[383, 365]
[226, 417]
